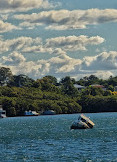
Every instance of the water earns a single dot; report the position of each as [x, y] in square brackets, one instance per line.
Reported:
[49, 138]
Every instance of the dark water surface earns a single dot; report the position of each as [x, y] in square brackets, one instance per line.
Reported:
[49, 138]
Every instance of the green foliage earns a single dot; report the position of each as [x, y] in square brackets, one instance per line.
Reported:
[9, 105]
[73, 107]
[107, 93]
[17, 100]
[21, 81]
[93, 91]
[112, 81]
[98, 104]
[9, 92]
[111, 88]
[5, 75]
[67, 87]
[23, 104]
[51, 79]
[23, 93]
[36, 84]
[68, 80]
[86, 81]
[46, 84]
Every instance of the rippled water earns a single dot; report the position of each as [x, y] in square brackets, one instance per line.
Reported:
[49, 138]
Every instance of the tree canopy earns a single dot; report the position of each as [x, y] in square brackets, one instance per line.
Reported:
[5, 75]
[19, 93]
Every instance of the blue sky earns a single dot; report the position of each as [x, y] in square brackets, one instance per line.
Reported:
[61, 38]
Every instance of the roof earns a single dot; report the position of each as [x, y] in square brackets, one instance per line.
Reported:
[97, 85]
[78, 86]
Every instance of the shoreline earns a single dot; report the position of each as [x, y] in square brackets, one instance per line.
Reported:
[61, 114]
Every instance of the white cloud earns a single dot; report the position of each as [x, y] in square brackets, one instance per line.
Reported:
[56, 66]
[103, 61]
[23, 5]
[13, 59]
[37, 49]
[17, 44]
[73, 43]
[4, 16]
[104, 74]
[6, 27]
[56, 46]
[102, 65]
[65, 19]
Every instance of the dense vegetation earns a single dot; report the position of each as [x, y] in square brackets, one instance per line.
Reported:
[20, 93]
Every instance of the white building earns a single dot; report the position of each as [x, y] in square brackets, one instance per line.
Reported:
[79, 87]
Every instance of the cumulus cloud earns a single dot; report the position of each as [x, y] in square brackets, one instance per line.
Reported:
[104, 74]
[4, 16]
[103, 61]
[56, 46]
[13, 59]
[17, 44]
[56, 66]
[65, 19]
[73, 43]
[103, 65]
[23, 5]
[6, 27]
[37, 49]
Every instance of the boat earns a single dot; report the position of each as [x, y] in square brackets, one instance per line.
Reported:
[2, 112]
[31, 113]
[82, 123]
[48, 112]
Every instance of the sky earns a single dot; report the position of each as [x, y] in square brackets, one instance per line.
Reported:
[61, 38]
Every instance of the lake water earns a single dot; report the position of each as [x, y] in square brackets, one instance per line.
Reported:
[49, 139]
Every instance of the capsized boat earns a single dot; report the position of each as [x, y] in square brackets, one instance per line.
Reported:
[82, 123]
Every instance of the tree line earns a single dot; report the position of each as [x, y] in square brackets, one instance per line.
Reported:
[19, 93]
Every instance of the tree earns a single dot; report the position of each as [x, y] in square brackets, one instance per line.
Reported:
[51, 79]
[9, 92]
[68, 80]
[37, 84]
[74, 107]
[92, 91]
[21, 80]
[9, 105]
[67, 86]
[107, 93]
[112, 81]
[111, 88]
[22, 105]
[5, 75]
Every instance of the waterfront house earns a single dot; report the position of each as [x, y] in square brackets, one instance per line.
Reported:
[98, 86]
[79, 87]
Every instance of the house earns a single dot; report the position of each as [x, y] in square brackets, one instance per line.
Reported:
[98, 86]
[79, 87]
